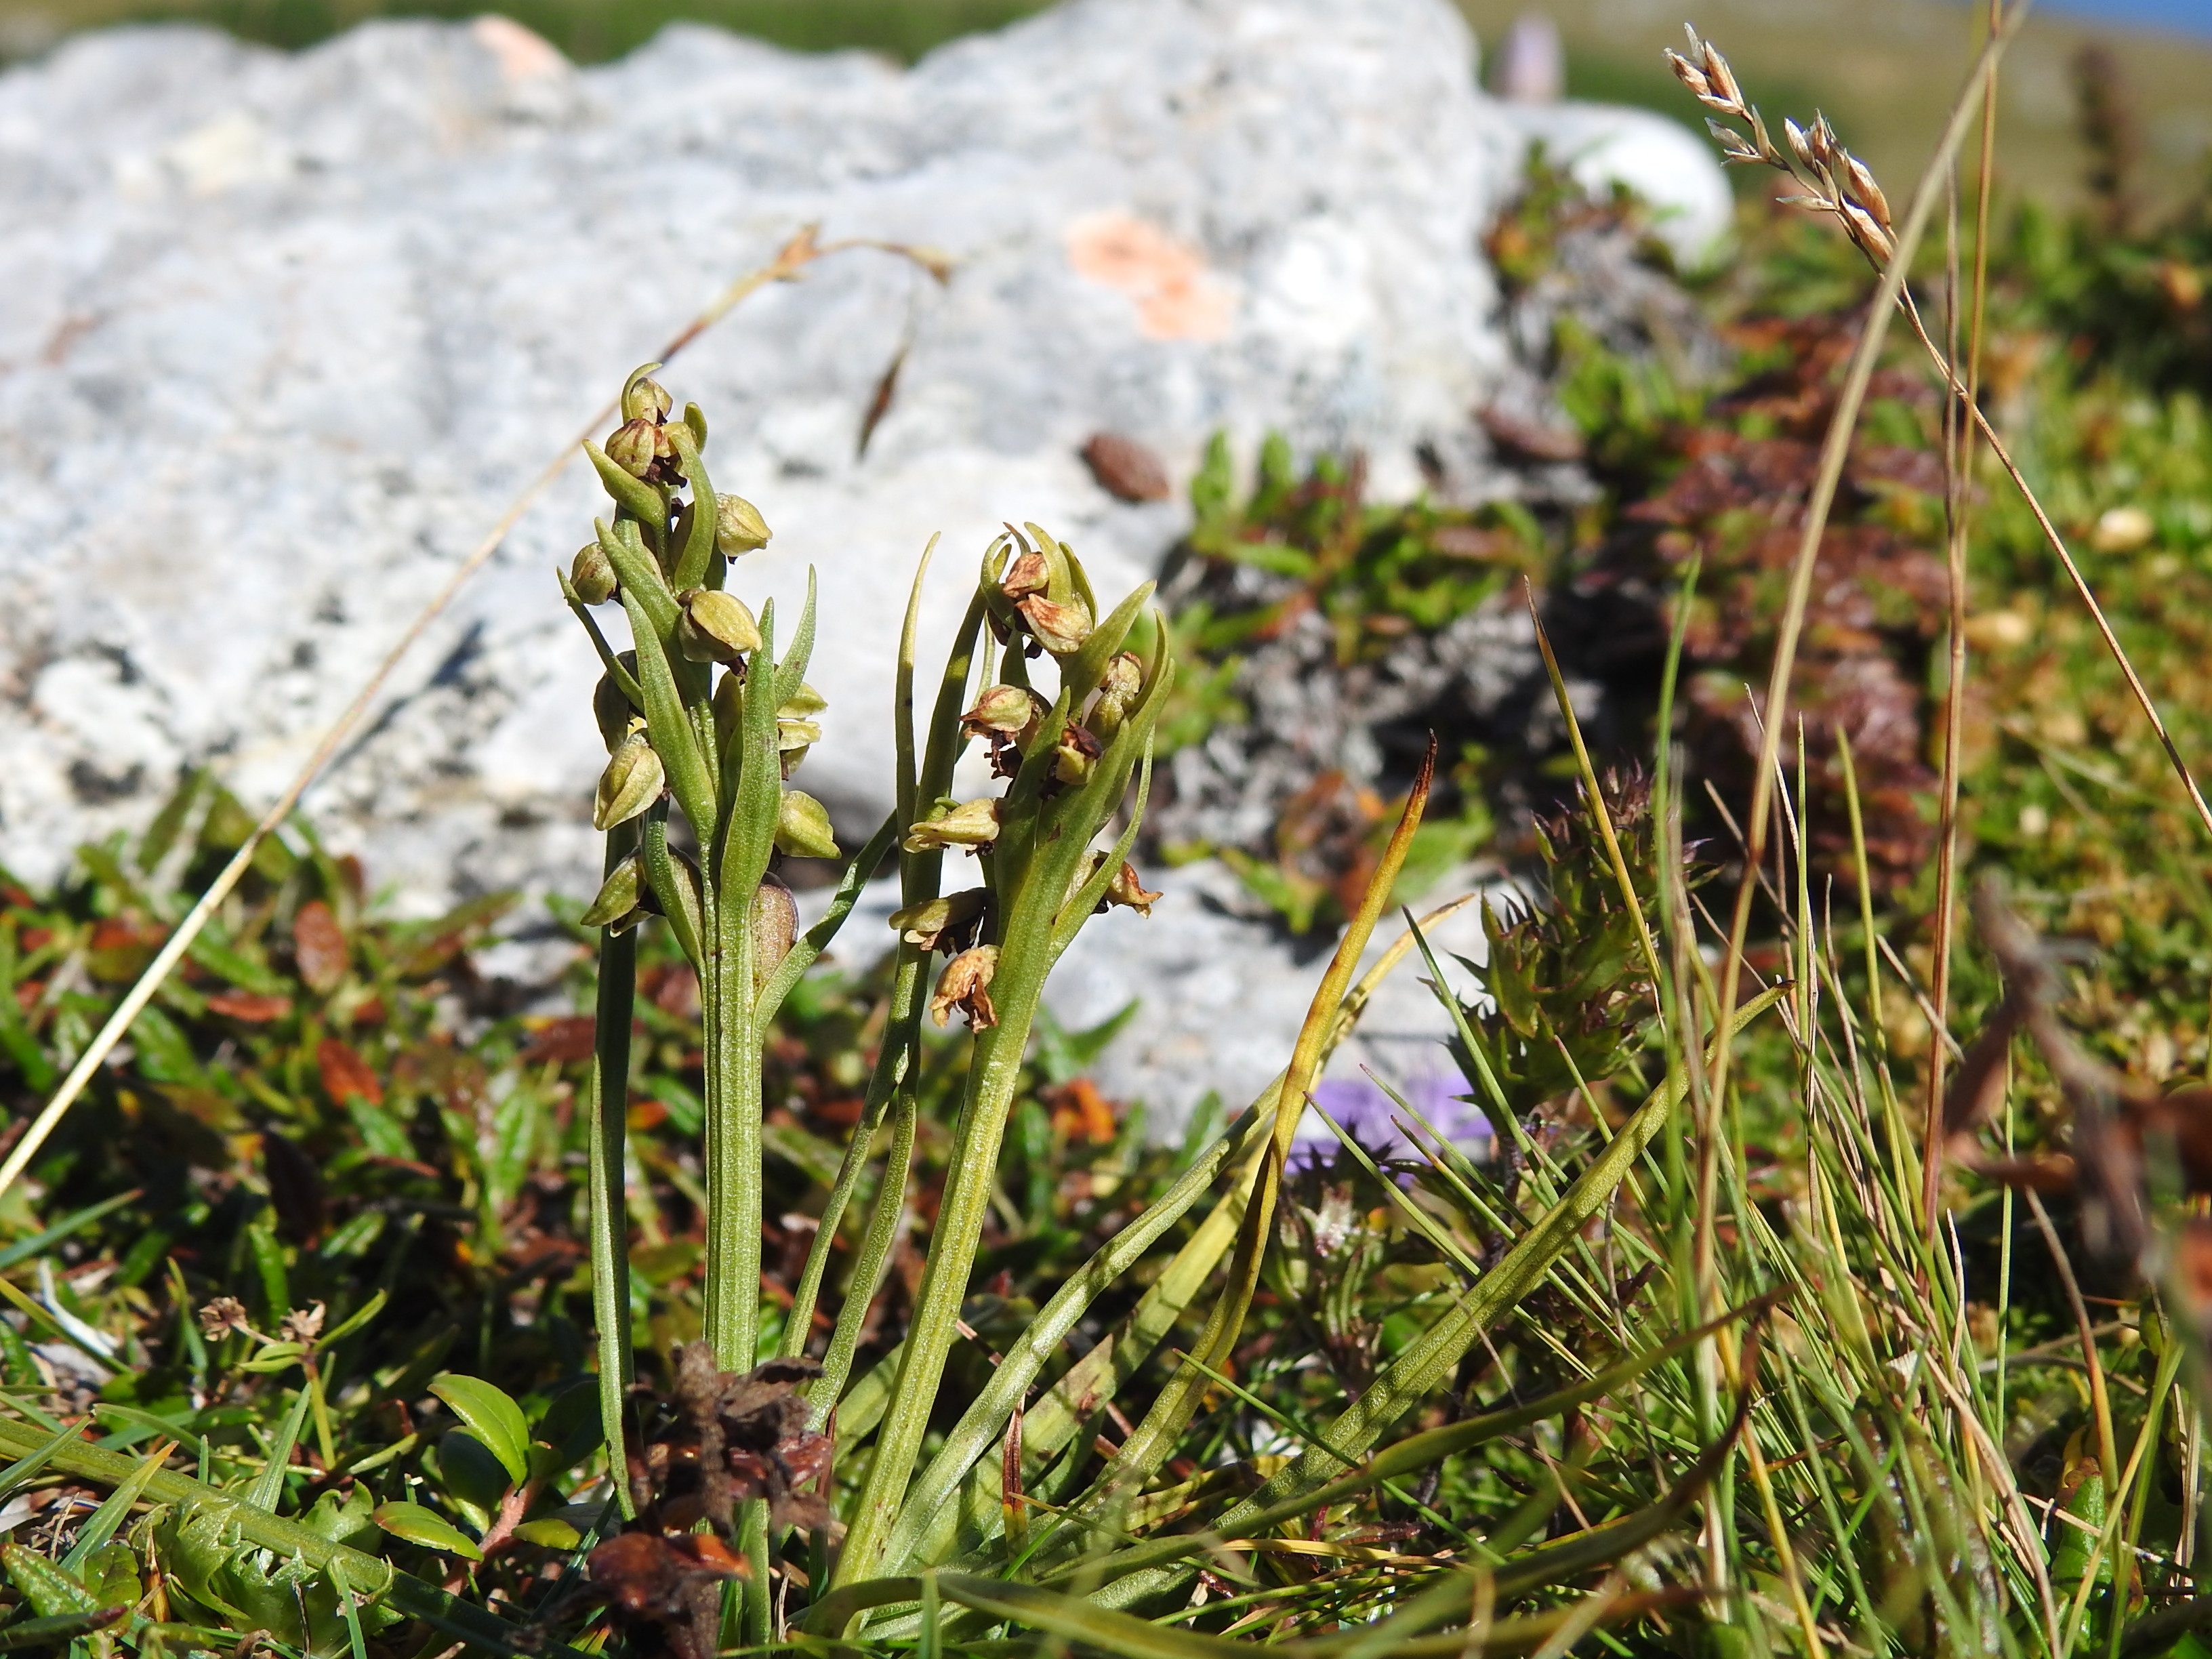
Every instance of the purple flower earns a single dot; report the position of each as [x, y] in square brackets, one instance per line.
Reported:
[1367, 1113]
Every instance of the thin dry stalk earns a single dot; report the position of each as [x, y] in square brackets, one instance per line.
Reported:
[1958, 498]
[1857, 208]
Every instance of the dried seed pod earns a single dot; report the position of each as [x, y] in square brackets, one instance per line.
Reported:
[775, 927]
[965, 984]
[633, 780]
[611, 707]
[975, 823]
[802, 827]
[616, 906]
[1060, 629]
[593, 574]
[1125, 888]
[941, 923]
[714, 626]
[1866, 191]
[738, 527]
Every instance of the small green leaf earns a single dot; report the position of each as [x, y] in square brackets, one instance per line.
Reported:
[274, 1358]
[554, 1534]
[61, 1628]
[355, 1320]
[418, 1525]
[50, 1590]
[495, 1417]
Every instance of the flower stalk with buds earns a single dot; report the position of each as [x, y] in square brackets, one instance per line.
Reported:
[705, 715]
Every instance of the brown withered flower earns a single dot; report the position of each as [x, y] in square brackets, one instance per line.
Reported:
[1125, 888]
[1060, 629]
[226, 1313]
[946, 924]
[965, 984]
[301, 1325]
[1025, 577]
[665, 1594]
[753, 1438]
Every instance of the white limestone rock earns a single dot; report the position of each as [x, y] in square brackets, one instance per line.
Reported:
[286, 333]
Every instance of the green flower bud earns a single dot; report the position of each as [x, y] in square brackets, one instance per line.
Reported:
[1074, 755]
[715, 626]
[802, 828]
[776, 927]
[729, 705]
[1060, 629]
[646, 400]
[593, 574]
[796, 734]
[633, 780]
[633, 445]
[974, 824]
[689, 902]
[1117, 689]
[738, 526]
[1009, 710]
[802, 704]
[938, 923]
[618, 903]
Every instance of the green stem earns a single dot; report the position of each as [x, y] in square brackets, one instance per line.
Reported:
[972, 1168]
[609, 1221]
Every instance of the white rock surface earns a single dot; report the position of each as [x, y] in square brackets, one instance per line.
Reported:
[285, 334]
[1661, 160]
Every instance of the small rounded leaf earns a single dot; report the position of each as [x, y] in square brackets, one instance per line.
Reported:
[495, 1417]
[426, 1527]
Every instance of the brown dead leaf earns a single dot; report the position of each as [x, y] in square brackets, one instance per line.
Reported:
[346, 1074]
[1125, 468]
[319, 945]
[250, 1006]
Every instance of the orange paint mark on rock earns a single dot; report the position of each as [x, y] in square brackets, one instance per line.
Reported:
[1177, 298]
